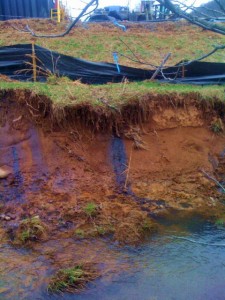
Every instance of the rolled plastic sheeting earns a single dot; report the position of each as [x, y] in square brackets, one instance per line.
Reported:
[16, 63]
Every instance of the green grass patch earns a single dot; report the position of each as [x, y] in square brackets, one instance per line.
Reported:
[79, 233]
[71, 279]
[64, 92]
[220, 222]
[90, 209]
[30, 229]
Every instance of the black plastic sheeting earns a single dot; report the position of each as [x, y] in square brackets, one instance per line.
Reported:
[19, 9]
[16, 63]
[200, 73]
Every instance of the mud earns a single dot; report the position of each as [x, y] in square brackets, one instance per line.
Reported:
[56, 172]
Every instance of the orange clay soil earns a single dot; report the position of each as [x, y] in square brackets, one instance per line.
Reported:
[57, 173]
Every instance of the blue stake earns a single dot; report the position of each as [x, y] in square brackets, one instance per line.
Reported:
[116, 60]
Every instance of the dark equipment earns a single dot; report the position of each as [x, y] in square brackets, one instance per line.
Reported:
[21, 9]
[149, 10]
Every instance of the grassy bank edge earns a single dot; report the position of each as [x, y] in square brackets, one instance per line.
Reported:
[63, 92]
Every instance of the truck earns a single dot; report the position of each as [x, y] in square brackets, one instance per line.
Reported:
[148, 10]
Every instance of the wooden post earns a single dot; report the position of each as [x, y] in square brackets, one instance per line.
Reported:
[34, 63]
[58, 12]
[160, 67]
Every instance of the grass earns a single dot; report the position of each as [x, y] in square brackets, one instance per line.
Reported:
[71, 280]
[94, 231]
[217, 126]
[147, 225]
[90, 209]
[80, 233]
[70, 93]
[149, 43]
[99, 41]
[101, 230]
[220, 222]
[30, 229]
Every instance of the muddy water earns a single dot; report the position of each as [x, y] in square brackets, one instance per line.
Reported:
[163, 268]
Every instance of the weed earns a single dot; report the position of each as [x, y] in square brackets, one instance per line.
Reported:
[217, 126]
[101, 230]
[30, 229]
[147, 225]
[79, 233]
[219, 222]
[90, 209]
[104, 230]
[71, 279]
[54, 79]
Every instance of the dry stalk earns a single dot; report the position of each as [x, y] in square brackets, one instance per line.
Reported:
[125, 82]
[17, 119]
[213, 179]
[128, 168]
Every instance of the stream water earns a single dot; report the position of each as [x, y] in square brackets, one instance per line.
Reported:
[163, 268]
[185, 260]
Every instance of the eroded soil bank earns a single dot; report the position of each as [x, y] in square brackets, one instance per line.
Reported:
[89, 176]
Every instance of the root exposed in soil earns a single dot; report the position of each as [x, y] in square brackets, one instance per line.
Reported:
[42, 111]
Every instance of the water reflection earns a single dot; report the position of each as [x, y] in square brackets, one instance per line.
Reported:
[164, 268]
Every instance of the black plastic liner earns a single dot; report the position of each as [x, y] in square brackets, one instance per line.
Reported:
[16, 63]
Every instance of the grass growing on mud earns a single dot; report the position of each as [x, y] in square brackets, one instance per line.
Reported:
[30, 229]
[71, 279]
[124, 223]
[90, 209]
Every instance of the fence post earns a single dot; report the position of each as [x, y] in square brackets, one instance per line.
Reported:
[34, 63]
[58, 12]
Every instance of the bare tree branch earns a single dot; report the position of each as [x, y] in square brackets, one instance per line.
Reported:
[176, 9]
[218, 2]
[198, 9]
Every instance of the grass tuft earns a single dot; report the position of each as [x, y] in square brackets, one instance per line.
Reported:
[217, 126]
[71, 280]
[30, 229]
[90, 209]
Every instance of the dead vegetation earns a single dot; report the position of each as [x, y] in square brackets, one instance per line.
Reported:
[123, 222]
